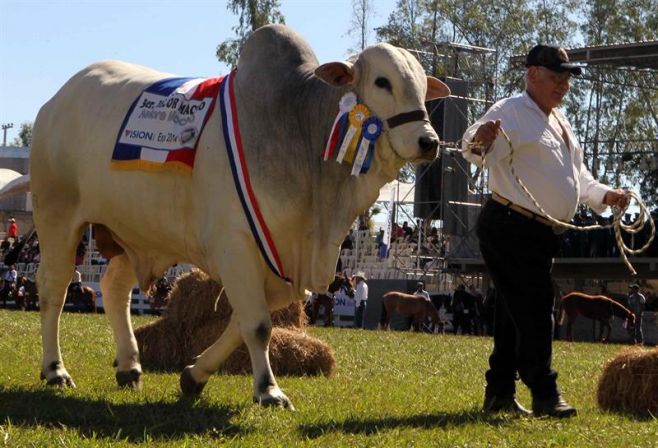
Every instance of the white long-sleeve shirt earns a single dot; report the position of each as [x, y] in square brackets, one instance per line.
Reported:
[361, 293]
[424, 294]
[552, 171]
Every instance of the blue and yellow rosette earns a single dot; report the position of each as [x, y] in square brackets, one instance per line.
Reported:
[371, 129]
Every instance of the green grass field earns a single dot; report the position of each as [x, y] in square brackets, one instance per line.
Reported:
[391, 389]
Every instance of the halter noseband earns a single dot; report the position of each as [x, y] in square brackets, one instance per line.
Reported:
[407, 117]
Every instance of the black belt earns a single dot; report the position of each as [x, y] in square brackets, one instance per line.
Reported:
[520, 210]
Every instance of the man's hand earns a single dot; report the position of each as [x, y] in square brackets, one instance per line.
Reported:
[484, 136]
[618, 197]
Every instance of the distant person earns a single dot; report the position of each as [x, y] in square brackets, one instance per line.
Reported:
[636, 303]
[12, 230]
[5, 246]
[80, 252]
[420, 291]
[408, 231]
[9, 283]
[360, 298]
[348, 242]
[76, 281]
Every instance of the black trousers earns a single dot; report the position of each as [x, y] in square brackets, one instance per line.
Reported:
[519, 255]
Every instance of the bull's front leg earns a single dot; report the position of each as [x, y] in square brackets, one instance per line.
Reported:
[251, 323]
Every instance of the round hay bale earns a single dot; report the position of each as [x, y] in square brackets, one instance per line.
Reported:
[629, 382]
[292, 353]
[195, 319]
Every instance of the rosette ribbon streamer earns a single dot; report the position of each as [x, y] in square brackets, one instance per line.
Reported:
[353, 135]
[356, 118]
[345, 106]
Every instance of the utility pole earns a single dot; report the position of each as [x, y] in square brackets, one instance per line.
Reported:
[4, 132]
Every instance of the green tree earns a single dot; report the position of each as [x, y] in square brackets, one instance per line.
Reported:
[252, 14]
[618, 106]
[24, 138]
[362, 14]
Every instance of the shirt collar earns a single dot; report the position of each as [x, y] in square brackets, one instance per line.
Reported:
[529, 102]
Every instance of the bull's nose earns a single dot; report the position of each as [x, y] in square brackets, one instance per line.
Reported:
[428, 144]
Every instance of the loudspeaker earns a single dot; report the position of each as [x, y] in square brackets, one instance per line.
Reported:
[449, 173]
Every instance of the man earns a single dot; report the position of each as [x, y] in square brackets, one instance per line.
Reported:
[9, 283]
[518, 244]
[76, 281]
[12, 231]
[420, 291]
[636, 303]
[360, 298]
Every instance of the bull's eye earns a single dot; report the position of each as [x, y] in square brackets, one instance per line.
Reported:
[384, 83]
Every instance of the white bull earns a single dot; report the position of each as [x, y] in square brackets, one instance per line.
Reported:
[148, 221]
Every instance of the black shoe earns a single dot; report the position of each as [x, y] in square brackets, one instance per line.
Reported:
[554, 406]
[494, 404]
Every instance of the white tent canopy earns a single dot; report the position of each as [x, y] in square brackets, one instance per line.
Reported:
[402, 192]
[7, 175]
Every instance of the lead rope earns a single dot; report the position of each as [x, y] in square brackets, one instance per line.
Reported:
[617, 212]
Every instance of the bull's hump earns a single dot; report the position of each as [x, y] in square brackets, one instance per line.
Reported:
[274, 45]
[115, 69]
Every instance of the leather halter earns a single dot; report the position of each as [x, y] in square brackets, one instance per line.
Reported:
[407, 117]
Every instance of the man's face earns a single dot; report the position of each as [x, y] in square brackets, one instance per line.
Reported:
[547, 86]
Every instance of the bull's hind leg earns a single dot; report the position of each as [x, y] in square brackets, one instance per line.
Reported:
[57, 242]
[116, 286]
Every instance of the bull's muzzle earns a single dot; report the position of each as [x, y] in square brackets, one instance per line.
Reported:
[428, 147]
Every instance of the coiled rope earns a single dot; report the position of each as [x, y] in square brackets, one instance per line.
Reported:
[617, 213]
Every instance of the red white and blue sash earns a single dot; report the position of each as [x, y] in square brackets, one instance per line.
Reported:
[241, 177]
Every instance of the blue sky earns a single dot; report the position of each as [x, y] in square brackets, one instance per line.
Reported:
[44, 42]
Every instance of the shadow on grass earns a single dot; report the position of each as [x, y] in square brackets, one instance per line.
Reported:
[368, 426]
[136, 422]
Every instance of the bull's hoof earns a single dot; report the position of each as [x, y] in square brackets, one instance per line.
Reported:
[277, 399]
[188, 385]
[130, 380]
[62, 381]
[57, 376]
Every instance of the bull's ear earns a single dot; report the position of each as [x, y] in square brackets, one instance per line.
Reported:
[336, 74]
[436, 89]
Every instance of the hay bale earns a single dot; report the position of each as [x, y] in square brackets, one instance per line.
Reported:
[194, 319]
[292, 352]
[629, 382]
